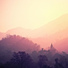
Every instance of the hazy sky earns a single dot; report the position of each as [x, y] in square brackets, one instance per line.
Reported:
[30, 14]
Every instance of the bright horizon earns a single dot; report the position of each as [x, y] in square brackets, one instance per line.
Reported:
[30, 14]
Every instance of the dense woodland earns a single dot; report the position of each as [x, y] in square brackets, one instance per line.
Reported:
[19, 52]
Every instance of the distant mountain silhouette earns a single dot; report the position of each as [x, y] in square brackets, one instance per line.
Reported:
[49, 33]
[62, 45]
[52, 27]
[13, 43]
[54, 31]
[18, 43]
[53, 38]
[19, 31]
[48, 29]
[2, 35]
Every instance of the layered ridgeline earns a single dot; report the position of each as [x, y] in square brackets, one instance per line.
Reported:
[52, 32]
[48, 29]
[18, 43]
[2, 35]
[15, 43]
[43, 58]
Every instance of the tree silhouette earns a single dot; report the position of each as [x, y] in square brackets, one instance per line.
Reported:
[20, 60]
[13, 43]
[57, 64]
[42, 61]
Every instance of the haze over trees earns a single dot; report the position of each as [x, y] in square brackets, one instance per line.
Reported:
[13, 43]
[19, 52]
[33, 33]
[52, 32]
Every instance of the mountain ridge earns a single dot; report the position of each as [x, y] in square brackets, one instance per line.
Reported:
[49, 33]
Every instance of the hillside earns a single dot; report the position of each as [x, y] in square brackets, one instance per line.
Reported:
[52, 27]
[18, 43]
[62, 45]
[19, 31]
[51, 32]
[2, 35]
[13, 43]
[48, 29]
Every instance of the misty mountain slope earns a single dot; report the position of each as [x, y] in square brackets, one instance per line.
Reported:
[52, 27]
[50, 33]
[19, 31]
[13, 43]
[17, 43]
[53, 38]
[2, 35]
[60, 35]
[62, 45]
[44, 42]
[56, 31]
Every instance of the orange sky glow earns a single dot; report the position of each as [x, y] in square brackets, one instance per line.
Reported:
[30, 14]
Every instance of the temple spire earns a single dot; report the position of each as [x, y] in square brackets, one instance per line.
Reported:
[51, 45]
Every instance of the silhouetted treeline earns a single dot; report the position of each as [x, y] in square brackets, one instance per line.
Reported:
[13, 43]
[24, 60]
[19, 52]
